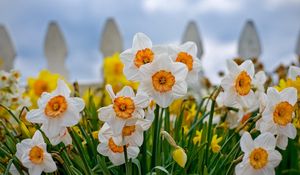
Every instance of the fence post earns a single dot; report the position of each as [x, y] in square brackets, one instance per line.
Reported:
[111, 39]
[7, 50]
[191, 33]
[249, 44]
[297, 49]
[56, 50]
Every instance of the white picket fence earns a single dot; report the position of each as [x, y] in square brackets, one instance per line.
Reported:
[55, 48]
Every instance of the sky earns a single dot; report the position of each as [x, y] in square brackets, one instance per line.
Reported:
[164, 21]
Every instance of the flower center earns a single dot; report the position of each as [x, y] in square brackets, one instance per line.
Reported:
[283, 113]
[243, 83]
[258, 158]
[143, 56]
[36, 155]
[115, 148]
[186, 59]
[56, 106]
[40, 86]
[128, 130]
[124, 107]
[163, 81]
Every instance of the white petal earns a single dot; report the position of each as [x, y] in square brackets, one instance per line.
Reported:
[274, 158]
[248, 66]
[282, 141]
[179, 89]
[247, 144]
[35, 170]
[265, 140]
[268, 126]
[180, 71]
[37, 137]
[163, 99]
[105, 113]
[267, 171]
[159, 49]
[103, 149]
[70, 118]
[52, 128]
[49, 164]
[126, 91]
[244, 168]
[116, 124]
[36, 116]
[289, 130]
[227, 82]
[190, 48]
[110, 91]
[62, 89]
[104, 133]
[133, 151]
[273, 96]
[77, 103]
[141, 41]
[43, 100]
[138, 113]
[232, 67]
[163, 62]
[117, 158]
[289, 95]
[142, 100]
[127, 57]
[131, 73]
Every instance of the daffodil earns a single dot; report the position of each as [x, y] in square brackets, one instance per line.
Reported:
[57, 110]
[197, 138]
[180, 156]
[63, 136]
[278, 115]
[163, 80]
[293, 72]
[141, 53]
[260, 156]
[45, 82]
[126, 107]
[215, 147]
[237, 84]
[34, 156]
[187, 54]
[113, 147]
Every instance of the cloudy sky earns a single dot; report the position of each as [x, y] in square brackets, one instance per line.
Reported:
[164, 21]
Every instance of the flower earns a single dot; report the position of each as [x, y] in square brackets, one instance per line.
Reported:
[187, 54]
[163, 80]
[56, 110]
[197, 138]
[260, 156]
[45, 82]
[180, 156]
[237, 84]
[126, 107]
[215, 147]
[113, 148]
[278, 114]
[140, 54]
[34, 156]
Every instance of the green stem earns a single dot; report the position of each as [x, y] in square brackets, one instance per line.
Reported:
[144, 155]
[127, 163]
[209, 132]
[155, 139]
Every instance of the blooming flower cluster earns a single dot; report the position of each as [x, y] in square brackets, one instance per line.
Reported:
[11, 93]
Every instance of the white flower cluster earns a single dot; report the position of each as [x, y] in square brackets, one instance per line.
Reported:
[11, 93]
[245, 91]
[163, 73]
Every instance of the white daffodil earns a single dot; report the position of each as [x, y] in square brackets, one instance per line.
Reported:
[237, 84]
[63, 136]
[260, 156]
[164, 80]
[187, 54]
[293, 72]
[142, 52]
[34, 156]
[126, 107]
[278, 115]
[57, 110]
[113, 147]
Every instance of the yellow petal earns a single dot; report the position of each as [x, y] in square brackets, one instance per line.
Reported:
[180, 157]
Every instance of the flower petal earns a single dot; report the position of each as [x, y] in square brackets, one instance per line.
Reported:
[142, 100]
[141, 41]
[36, 116]
[274, 158]
[62, 89]
[189, 47]
[247, 143]
[248, 66]
[49, 164]
[179, 89]
[282, 141]
[126, 91]
[289, 95]
[110, 91]
[105, 113]
[76, 103]
[35, 170]
[232, 67]
[265, 140]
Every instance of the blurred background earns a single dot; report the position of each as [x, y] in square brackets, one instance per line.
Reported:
[220, 23]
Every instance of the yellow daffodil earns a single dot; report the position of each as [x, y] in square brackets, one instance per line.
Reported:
[179, 156]
[45, 82]
[215, 147]
[185, 129]
[198, 137]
